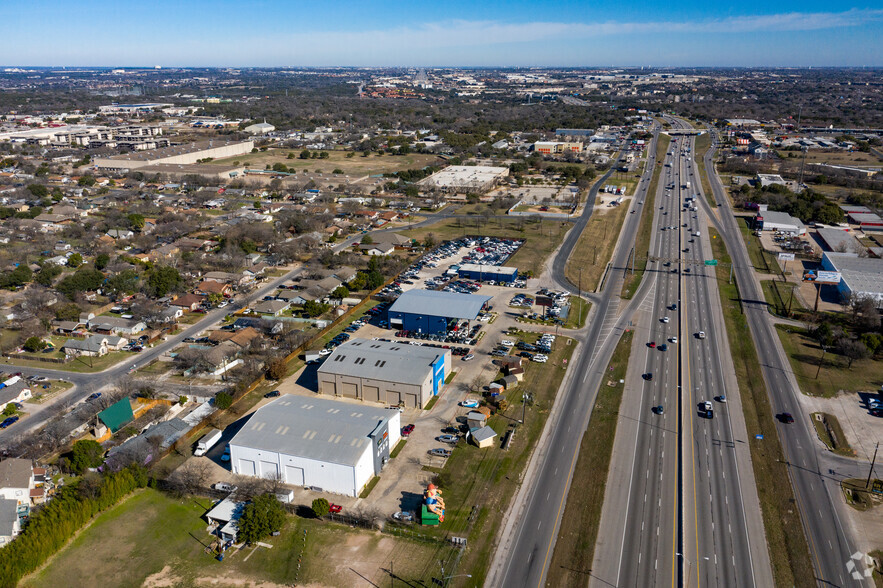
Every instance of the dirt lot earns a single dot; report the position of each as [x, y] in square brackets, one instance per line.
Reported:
[357, 165]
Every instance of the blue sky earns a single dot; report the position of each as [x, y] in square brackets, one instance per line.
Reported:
[440, 33]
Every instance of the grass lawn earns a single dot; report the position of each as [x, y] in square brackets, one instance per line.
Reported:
[831, 434]
[836, 157]
[579, 312]
[156, 368]
[594, 248]
[762, 260]
[41, 395]
[191, 318]
[642, 240]
[154, 540]
[701, 145]
[81, 365]
[835, 375]
[779, 297]
[578, 533]
[541, 238]
[479, 484]
[789, 553]
[353, 166]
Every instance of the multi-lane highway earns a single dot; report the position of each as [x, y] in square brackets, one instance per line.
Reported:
[819, 506]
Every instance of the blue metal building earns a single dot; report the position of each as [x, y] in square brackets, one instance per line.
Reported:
[429, 311]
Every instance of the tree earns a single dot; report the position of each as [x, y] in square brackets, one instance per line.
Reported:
[312, 308]
[223, 400]
[86, 180]
[75, 260]
[47, 275]
[38, 190]
[86, 454]
[305, 154]
[321, 507]
[9, 410]
[277, 368]
[263, 516]
[853, 350]
[429, 240]
[125, 282]
[163, 279]
[136, 221]
[873, 341]
[17, 278]
[367, 240]
[84, 279]
[340, 292]
[67, 312]
[34, 344]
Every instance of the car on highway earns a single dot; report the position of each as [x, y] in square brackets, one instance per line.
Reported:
[673, 306]
[93, 396]
[439, 452]
[672, 339]
[407, 430]
[785, 418]
[665, 319]
[663, 347]
[706, 405]
[700, 335]
[651, 344]
[658, 409]
[648, 376]
[722, 398]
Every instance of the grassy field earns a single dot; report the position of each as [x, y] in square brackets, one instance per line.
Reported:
[779, 297]
[578, 533]
[838, 157]
[540, 238]
[831, 433]
[805, 353]
[762, 260]
[479, 484]
[789, 553]
[82, 365]
[702, 143]
[579, 311]
[151, 539]
[642, 240]
[357, 165]
[594, 248]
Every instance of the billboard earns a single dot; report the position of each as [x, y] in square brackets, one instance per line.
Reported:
[545, 301]
[821, 277]
[785, 257]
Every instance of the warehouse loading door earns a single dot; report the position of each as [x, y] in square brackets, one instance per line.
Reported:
[371, 393]
[269, 469]
[294, 476]
[246, 467]
[349, 390]
[393, 397]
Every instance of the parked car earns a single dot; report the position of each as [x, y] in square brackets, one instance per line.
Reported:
[273, 394]
[93, 396]
[405, 517]
[439, 452]
[407, 430]
[334, 508]
[226, 455]
[452, 439]
[8, 422]
[469, 403]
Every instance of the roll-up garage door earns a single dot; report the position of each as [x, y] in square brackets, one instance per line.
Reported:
[269, 469]
[349, 390]
[371, 393]
[246, 467]
[294, 476]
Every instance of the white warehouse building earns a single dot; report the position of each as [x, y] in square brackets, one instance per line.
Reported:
[334, 445]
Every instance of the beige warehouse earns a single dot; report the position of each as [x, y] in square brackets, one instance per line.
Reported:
[386, 372]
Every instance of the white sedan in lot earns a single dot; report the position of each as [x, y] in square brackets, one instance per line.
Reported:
[506, 343]
[540, 358]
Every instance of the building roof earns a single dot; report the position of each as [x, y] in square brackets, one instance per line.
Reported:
[117, 415]
[483, 434]
[226, 510]
[382, 360]
[437, 303]
[15, 473]
[325, 430]
[781, 218]
[861, 274]
[184, 149]
[865, 218]
[489, 269]
[837, 239]
[93, 344]
[8, 516]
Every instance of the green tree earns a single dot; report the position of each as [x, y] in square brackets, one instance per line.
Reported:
[47, 275]
[321, 507]
[67, 312]
[34, 344]
[263, 516]
[75, 260]
[367, 240]
[18, 277]
[9, 410]
[305, 154]
[86, 454]
[312, 308]
[101, 261]
[350, 155]
[136, 221]
[340, 292]
[162, 280]
[86, 180]
[223, 400]
[125, 282]
[84, 279]
[38, 190]
[280, 167]
[374, 280]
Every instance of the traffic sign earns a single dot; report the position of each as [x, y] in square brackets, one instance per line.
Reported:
[710, 262]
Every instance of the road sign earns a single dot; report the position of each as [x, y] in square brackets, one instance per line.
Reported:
[785, 257]
[758, 436]
[710, 262]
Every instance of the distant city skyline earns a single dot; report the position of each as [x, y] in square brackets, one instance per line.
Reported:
[569, 33]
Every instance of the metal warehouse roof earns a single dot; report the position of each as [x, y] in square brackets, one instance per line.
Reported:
[314, 428]
[861, 274]
[488, 269]
[381, 360]
[780, 218]
[436, 303]
[837, 238]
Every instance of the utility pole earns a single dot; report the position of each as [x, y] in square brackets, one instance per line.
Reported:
[821, 360]
[873, 461]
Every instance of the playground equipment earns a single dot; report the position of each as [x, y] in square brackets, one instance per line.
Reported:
[433, 508]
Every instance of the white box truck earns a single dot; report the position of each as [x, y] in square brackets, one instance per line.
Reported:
[207, 442]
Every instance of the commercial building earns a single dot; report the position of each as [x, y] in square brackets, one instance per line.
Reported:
[779, 221]
[557, 147]
[860, 276]
[484, 273]
[388, 372]
[189, 153]
[466, 178]
[321, 443]
[430, 311]
[133, 108]
[765, 180]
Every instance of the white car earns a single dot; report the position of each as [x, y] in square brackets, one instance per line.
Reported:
[468, 357]
[506, 343]
[540, 358]
[707, 405]
[673, 339]
[665, 319]
[326, 351]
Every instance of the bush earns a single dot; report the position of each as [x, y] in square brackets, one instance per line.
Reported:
[85, 454]
[321, 507]
[263, 516]
[34, 344]
[276, 368]
[223, 400]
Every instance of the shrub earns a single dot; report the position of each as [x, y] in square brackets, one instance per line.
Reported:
[276, 368]
[263, 516]
[321, 507]
[223, 400]
[34, 344]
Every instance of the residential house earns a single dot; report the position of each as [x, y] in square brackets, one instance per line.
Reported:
[171, 315]
[273, 307]
[379, 249]
[116, 325]
[16, 392]
[345, 274]
[93, 346]
[225, 516]
[187, 301]
[208, 287]
[120, 234]
[10, 521]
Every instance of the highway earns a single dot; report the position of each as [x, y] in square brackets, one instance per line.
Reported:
[529, 536]
[814, 488]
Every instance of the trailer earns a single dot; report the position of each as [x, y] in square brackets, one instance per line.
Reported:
[207, 442]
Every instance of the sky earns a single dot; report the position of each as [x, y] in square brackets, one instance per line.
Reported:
[475, 33]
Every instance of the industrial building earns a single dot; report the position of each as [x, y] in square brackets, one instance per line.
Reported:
[779, 221]
[325, 444]
[177, 154]
[466, 178]
[483, 273]
[860, 276]
[557, 147]
[431, 311]
[393, 373]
